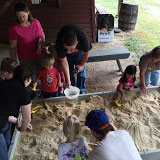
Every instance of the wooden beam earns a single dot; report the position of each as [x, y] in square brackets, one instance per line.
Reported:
[93, 23]
[100, 9]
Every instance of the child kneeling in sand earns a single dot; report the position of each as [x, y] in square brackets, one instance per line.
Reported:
[75, 147]
[49, 76]
[127, 80]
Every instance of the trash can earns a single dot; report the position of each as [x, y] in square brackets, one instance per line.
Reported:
[105, 26]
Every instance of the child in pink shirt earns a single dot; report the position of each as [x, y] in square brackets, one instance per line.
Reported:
[127, 80]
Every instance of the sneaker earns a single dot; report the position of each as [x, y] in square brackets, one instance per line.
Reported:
[82, 92]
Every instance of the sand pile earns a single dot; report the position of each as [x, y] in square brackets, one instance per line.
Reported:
[139, 115]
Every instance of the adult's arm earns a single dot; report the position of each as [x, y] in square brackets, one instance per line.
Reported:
[142, 80]
[43, 39]
[18, 122]
[84, 60]
[26, 116]
[13, 48]
[65, 68]
[120, 89]
[12, 119]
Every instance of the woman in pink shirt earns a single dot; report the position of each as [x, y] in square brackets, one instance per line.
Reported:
[127, 80]
[25, 36]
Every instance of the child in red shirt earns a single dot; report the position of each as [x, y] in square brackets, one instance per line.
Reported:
[49, 76]
[127, 80]
[53, 52]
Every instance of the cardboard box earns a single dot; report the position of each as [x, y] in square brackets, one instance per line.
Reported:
[105, 35]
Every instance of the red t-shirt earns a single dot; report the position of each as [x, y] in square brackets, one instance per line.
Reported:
[49, 79]
[127, 84]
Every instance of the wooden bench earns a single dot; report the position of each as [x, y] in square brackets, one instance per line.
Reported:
[106, 55]
[100, 9]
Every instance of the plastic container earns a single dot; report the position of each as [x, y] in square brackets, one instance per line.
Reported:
[72, 92]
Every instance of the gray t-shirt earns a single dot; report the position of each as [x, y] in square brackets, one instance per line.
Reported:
[146, 62]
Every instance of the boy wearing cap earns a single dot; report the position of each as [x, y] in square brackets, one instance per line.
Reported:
[114, 145]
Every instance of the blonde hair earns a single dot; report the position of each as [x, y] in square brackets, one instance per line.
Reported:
[71, 127]
[48, 60]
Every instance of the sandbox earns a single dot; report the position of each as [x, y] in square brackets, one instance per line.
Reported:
[139, 115]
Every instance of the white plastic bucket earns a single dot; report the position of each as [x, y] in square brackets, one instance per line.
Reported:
[72, 92]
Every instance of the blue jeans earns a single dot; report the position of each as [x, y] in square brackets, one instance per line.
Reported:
[152, 77]
[5, 141]
[74, 59]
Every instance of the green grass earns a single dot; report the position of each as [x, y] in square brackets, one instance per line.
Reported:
[133, 43]
[147, 33]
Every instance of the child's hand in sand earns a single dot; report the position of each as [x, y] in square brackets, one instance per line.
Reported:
[131, 88]
[144, 89]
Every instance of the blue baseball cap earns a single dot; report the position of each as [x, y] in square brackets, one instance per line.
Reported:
[97, 120]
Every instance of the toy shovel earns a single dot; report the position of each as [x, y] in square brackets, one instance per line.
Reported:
[35, 109]
[34, 88]
[117, 103]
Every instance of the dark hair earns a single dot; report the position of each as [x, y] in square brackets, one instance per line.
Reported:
[8, 65]
[21, 73]
[70, 38]
[105, 130]
[131, 70]
[22, 7]
[156, 52]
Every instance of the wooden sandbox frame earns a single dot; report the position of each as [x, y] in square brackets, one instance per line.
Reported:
[146, 155]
